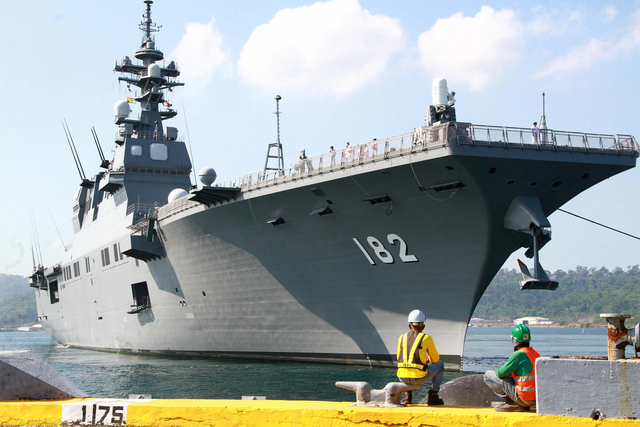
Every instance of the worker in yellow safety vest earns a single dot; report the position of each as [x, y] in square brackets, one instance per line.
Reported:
[515, 381]
[418, 359]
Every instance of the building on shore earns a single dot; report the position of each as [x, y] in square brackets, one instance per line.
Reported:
[533, 321]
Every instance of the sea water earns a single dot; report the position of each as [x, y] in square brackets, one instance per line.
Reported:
[113, 375]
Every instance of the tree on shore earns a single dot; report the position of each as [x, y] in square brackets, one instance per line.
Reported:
[582, 295]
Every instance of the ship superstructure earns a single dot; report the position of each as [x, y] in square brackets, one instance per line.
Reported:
[363, 235]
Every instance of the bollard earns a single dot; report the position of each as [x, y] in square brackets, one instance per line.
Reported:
[619, 336]
[389, 396]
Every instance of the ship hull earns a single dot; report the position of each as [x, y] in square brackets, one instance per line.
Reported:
[335, 287]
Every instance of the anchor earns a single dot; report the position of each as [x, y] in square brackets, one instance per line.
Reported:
[525, 215]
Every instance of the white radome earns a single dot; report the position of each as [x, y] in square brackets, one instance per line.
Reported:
[176, 194]
[121, 109]
[207, 176]
[154, 70]
[439, 92]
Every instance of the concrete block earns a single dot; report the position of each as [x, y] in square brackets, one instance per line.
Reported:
[25, 376]
[588, 388]
[469, 390]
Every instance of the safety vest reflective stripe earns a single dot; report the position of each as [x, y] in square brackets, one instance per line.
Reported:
[410, 365]
[526, 385]
[408, 358]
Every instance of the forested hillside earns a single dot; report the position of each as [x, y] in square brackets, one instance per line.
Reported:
[582, 295]
[17, 302]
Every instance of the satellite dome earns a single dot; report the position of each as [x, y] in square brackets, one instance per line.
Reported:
[154, 70]
[439, 92]
[176, 194]
[121, 109]
[207, 176]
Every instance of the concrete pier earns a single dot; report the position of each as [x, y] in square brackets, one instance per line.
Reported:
[249, 413]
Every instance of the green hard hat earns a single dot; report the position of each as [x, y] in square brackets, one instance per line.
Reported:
[521, 333]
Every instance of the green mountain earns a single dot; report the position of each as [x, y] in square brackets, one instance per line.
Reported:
[17, 302]
[582, 295]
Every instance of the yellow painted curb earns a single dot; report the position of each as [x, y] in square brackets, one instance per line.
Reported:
[220, 413]
[27, 413]
[249, 413]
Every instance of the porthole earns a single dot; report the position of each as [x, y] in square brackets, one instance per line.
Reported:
[557, 185]
[510, 183]
[533, 184]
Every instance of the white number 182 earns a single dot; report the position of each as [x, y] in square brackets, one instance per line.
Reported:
[382, 253]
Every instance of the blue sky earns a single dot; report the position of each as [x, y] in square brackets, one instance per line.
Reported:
[346, 71]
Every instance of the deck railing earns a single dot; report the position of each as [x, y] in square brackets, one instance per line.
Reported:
[467, 133]
[439, 136]
[399, 145]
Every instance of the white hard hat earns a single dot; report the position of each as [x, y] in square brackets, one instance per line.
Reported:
[416, 316]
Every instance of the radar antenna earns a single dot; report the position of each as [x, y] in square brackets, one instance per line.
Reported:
[76, 158]
[277, 145]
[543, 119]
[104, 163]
[147, 25]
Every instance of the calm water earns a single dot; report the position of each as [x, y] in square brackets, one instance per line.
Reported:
[118, 375]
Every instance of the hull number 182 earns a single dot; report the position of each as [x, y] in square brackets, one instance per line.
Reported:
[382, 253]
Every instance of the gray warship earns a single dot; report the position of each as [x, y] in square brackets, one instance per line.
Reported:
[320, 261]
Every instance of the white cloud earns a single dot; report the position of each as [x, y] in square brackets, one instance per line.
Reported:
[578, 58]
[199, 53]
[472, 50]
[553, 22]
[596, 50]
[330, 47]
[610, 12]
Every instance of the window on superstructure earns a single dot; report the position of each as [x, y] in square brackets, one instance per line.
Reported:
[76, 269]
[105, 257]
[54, 296]
[87, 264]
[115, 252]
[141, 298]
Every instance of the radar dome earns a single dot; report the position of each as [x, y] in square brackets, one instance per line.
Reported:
[439, 92]
[207, 176]
[154, 70]
[121, 109]
[176, 194]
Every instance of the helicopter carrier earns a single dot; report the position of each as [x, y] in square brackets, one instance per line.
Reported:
[320, 261]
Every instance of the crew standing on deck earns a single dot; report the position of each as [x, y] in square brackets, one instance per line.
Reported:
[418, 359]
[515, 381]
[534, 133]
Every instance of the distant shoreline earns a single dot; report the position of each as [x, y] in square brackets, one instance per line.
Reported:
[508, 325]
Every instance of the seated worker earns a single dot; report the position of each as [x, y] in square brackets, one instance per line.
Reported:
[515, 381]
[418, 359]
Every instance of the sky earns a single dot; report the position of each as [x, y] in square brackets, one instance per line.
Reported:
[346, 70]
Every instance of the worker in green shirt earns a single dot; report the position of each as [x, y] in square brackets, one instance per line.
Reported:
[515, 381]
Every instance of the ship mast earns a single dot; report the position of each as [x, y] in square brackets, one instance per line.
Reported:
[275, 145]
[151, 79]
